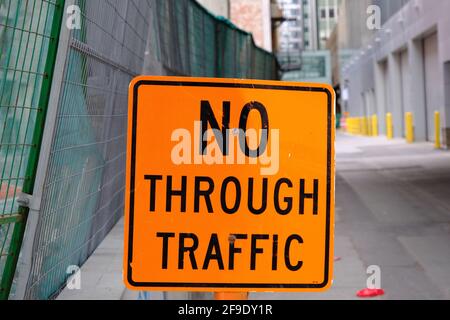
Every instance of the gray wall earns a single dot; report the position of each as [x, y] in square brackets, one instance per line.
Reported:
[406, 30]
[389, 7]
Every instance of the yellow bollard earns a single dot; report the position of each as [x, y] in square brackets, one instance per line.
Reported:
[355, 125]
[437, 130]
[368, 125]
[363, 126]
[349, 123]
[375, 125]
[409, 127]
[389, 127]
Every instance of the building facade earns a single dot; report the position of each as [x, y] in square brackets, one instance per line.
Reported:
[389, 8]
[350, 34]
[327, 17]
[301, 43]
[316, 68]
[290, 31]
[319, 20]
[253, 16]
[309, 24]
[406, 68]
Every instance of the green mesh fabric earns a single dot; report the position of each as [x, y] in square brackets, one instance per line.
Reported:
[194, 42]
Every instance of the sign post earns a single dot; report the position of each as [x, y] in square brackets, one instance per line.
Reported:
[229, 186]
[231, 296]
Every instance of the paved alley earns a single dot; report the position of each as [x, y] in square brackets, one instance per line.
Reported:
[392, 210]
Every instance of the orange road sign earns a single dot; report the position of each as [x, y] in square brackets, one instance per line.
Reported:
[229, 185]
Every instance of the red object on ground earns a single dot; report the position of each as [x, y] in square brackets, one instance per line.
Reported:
[370, 293]
[337, 258]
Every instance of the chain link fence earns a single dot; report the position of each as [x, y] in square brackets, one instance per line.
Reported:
[84, 178]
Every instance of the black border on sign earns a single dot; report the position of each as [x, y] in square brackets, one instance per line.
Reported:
[132, 186]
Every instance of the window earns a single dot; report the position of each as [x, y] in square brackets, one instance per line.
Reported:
[294, 24]
[331, 13]
[323, 13]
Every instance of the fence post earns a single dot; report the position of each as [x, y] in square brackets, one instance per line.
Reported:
[62, 36]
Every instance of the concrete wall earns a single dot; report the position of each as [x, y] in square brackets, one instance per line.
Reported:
[407, 30]
[389, 7]
[351, 25]
[350, 33]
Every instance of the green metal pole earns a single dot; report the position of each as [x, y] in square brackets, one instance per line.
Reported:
[19, 227]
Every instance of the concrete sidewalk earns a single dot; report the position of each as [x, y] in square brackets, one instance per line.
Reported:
[395, 206]
[101, 275]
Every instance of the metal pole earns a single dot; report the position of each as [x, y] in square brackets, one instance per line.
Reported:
[59, 31]
[19, 227]
[231, 296]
